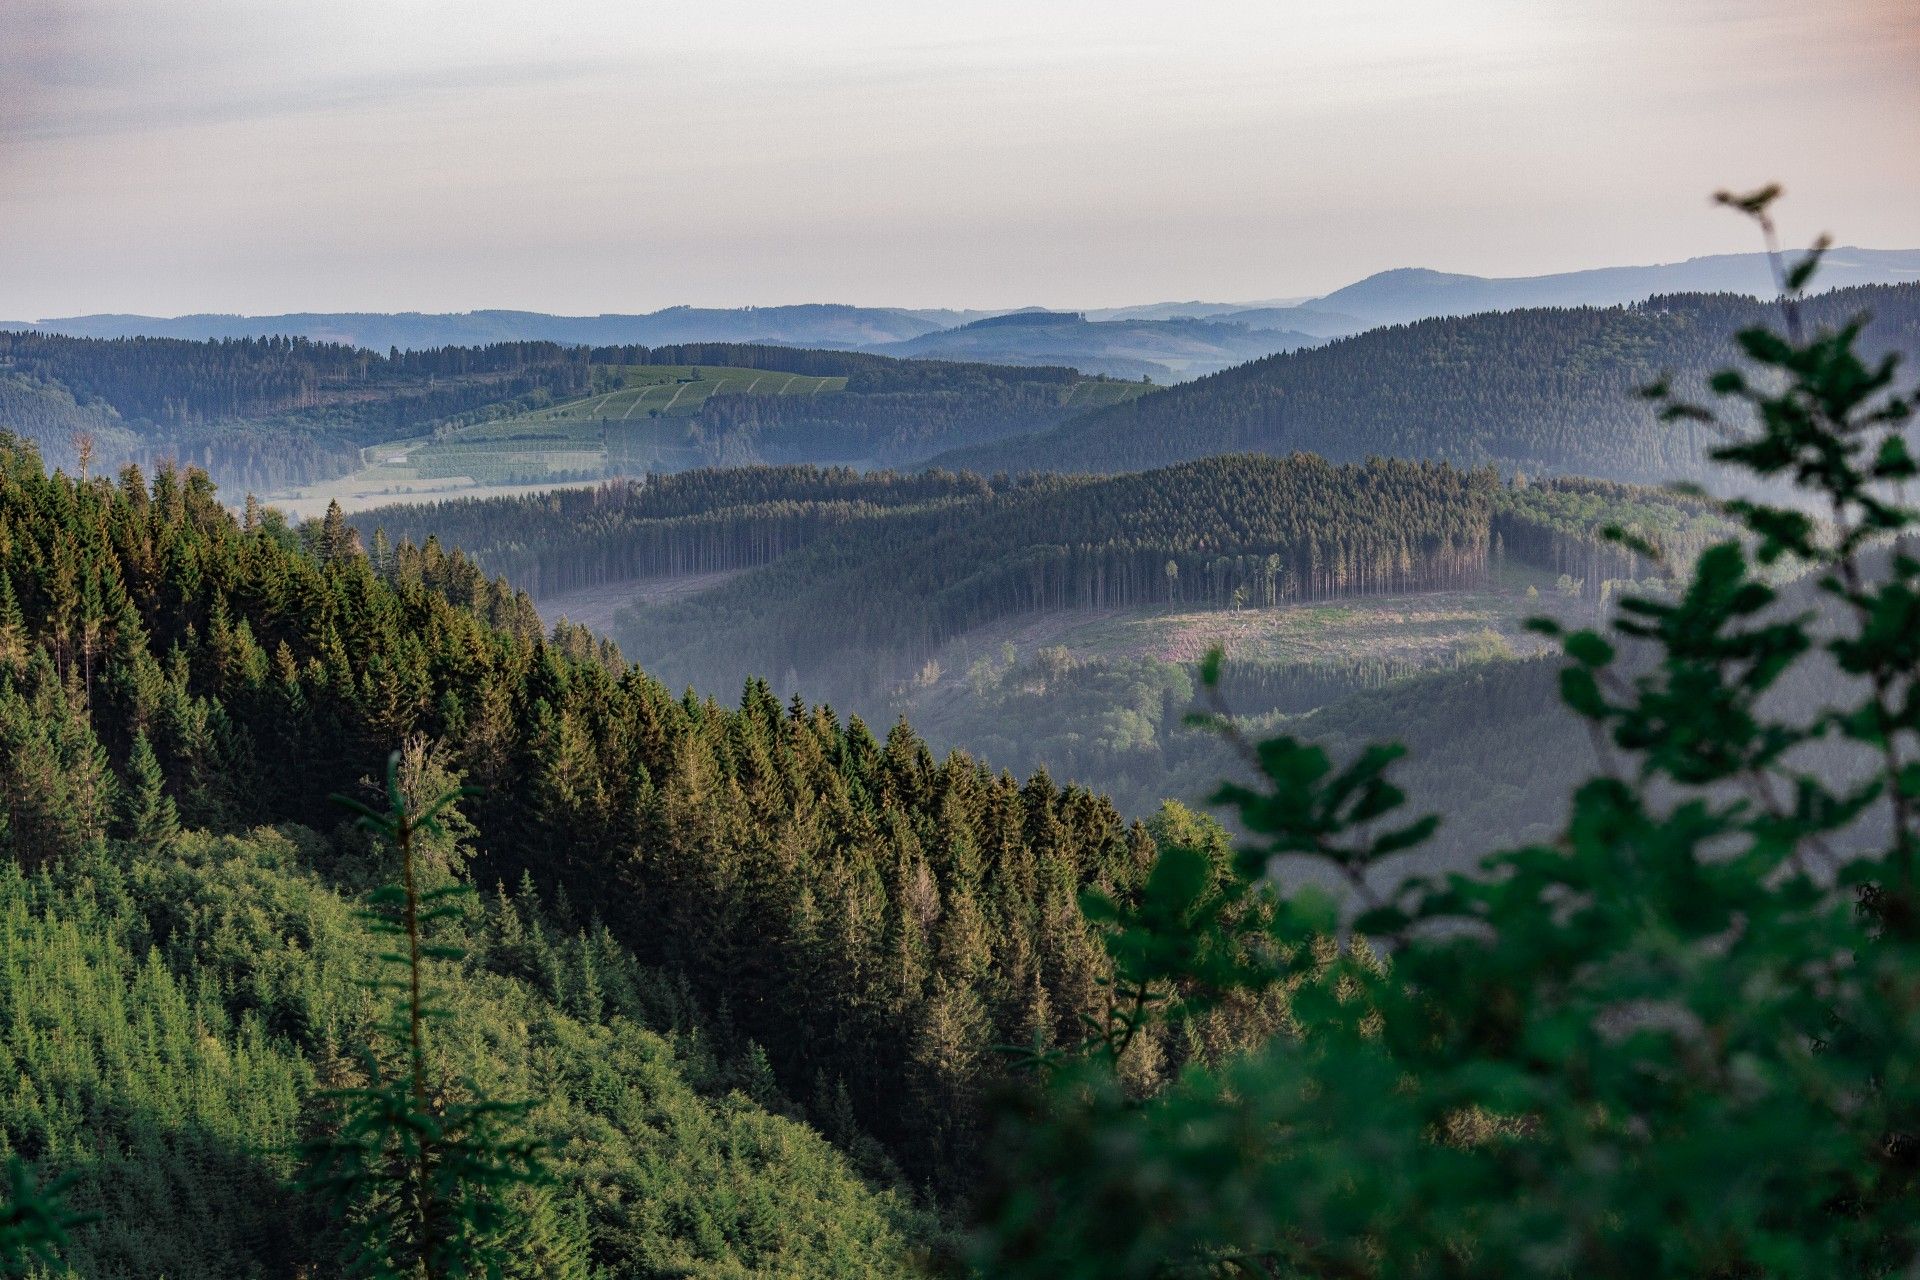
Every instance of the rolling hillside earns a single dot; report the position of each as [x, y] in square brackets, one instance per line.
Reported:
[813, 325]
[259, 413]
[721, 404]
[1217, 534]
[1407, 294]
[638, 425]
[1166, 350]
[1549, 391]
[307, 422]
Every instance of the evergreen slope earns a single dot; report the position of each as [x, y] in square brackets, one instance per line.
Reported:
[874, 919]
[1541, 390]
[1222, 533]
[690, 522]
[172, 1012]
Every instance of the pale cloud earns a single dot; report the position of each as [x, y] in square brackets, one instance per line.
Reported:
[585, 155]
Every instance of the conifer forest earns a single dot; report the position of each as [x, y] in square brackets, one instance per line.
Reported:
[1369, 773]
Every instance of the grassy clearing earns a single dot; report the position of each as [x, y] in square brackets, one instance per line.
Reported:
[641, 424]
[1098, 395]
[654, 390]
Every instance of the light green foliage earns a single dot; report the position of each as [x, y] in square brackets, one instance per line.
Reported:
[1676, 1039]
[170, 1024]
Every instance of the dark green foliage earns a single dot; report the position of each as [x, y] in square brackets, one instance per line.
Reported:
[1676, 1039]
[1548, 390]
[150, 818]
[164, 381]
[688, 523]
[34, 1220]
[892, 416]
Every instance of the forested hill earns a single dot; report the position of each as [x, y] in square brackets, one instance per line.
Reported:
[271, 413]
[857, 923]
[1534, 391]
[258, 412]
[906, 561]
[1222, 531]
[690, 522]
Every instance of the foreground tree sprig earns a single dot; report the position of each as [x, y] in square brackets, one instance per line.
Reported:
[422, 1169]
[34, 1220]
[1683, 1039]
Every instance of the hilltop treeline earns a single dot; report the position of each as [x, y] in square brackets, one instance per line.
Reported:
[1549, 390]
[261, 413]
[690, 522]
[1229, 531]
[166, 382]
[864, 372]
[873, 919]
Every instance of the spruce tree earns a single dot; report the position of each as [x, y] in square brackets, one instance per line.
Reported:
[148, 816]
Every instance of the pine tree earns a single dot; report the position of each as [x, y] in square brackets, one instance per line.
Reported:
[148, 816]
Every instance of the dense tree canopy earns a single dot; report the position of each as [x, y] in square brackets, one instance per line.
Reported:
[1546, 390]
[1231, 532]
[689, 522]
[875, 920]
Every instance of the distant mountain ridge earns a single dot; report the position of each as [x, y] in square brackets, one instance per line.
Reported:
[1415, 293]
[1168, 341]
[829, 325]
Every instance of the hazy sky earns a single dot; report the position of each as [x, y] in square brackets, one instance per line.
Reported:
[167, 156]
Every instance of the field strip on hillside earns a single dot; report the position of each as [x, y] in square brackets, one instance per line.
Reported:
[754, 383]
[635, 405]
[676, 395]
[788, 383]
